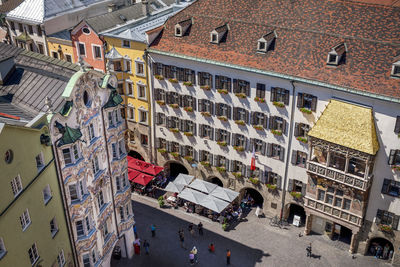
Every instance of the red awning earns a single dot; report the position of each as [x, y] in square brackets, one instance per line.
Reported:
[153, 169]
[132, 174]
[137, 164]
[143, 179]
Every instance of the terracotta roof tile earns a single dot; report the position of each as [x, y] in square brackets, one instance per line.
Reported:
[306, 32]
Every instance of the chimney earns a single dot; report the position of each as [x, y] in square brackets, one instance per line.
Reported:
[177, 2]
[145, 7]
[111, 7]
[7, 66]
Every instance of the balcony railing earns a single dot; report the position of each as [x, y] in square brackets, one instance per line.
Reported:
[339, 176]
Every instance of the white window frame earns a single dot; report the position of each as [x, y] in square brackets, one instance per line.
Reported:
[131, 109]
[34, 252]
[259, 49]
[54, 52]
[41, 158]
[127, 82]
[95, 167]
[61, 258]
[138, 85]
[137, 62]
[121, 147]
[79, 50]
[126, 61]
[141, 111]
[91, 132]
[54, 224]
[25, 220]
[394, 66]
[101, 201]
[87, 225]
[16, 185]
[94, 52]
[47, 194]
[178, 27]
[67, 54]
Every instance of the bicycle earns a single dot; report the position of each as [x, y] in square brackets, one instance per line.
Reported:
[274, 221]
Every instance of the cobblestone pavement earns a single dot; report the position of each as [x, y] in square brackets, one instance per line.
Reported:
[252, 242]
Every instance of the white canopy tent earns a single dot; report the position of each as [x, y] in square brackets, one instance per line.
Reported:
[173, 187]
[214, 203]
[224, 194]
[203, 186]
[183, 179]
[192, 195]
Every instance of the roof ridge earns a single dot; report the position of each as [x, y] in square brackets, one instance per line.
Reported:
[50, 60]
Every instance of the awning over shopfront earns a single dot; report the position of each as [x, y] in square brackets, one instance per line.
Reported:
[137, 164]
[153, 169]
[203, 186]
[224, 194]
[173, 187]
[214, 203]
[132, 174]
[192, 195]
[143, 179]
[183, 179]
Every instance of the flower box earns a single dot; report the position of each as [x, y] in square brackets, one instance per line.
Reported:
[221, 169]
[302, 139]
[205, 87]
[385, 228]
[205, 163]
[271, 186]
[276, 132]
[159, 77]
[259, 99]
[278, 104]
[174, 154]
[237, 174]
[222, 143]
[223, 91]
[296, 195]
[258, 127]
[222, 118]
[188, 158]
[396, 168]
[239, 148]
[240, 122]
[254, 181]
[188, 109]
[188, 83]
[305, 110]
[188, 133]
[206, 114]
[174, 105]
[174, 130]
[241, 95]
[173, 80]
[162, 150]
[161, 102]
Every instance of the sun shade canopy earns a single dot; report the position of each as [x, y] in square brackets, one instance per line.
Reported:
[214, 203]
[203, 186]
[183, 179]
[143, 179]
[173, 187]
[224, 194]
[192, 195]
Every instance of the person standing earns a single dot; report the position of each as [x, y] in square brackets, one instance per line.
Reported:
[200, 227]
[211, 248]
[191, 258]
[194, 250]
[309, 249]
[386, 251]
[182, 238]
[146, 246]
[228, 257]
[153, 230]
[190, 227]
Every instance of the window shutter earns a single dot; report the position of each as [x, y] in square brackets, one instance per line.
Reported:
[395, 222]
[212, 108]
[235, 85]
[282, 153]
[168, 122]
[201, 132]
[251, 144]
[265, 121]
[252, 114]
[247, 144]
[181, 74]
[304, 189]
[217, 82]
[273, 94]
[263, 148]
[195, 155]
[296, 129]
[227, 165]
[284, 126]
[269, 150]
[247, 116]
[279, 182]
[300, 100]
[211, 159]
[379, 215]
[248, 89]
[181, 125]
[294, 157]
[158, 118]
[228, 137]
[314, 103]
[181, 101]
[158, 143]
[218, 109]
[193, 103]
[392, 156]
[168, 146]
[286, 99]
[229, 111]
[200, 105]
[194, 128]
[397, 125]
[244, 169]
[181, 150]
[233, 139]
[290, 185]
[211, 81]
[231, 165]
[385, 186]
[271, 122]
[262, 177]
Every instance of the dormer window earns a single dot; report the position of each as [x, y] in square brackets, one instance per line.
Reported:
[182, 26]
[336, 54]
[396, 69]
[214, 38]
[265, 42]
[219, 33]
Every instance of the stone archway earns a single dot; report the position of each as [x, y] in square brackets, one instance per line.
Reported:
[215, 180]
[292, 209]
[136, 155]
[382, 242]
[254, 194]
[174, 168]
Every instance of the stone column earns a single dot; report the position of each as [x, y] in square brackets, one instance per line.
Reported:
[353, 242]
[308, 225]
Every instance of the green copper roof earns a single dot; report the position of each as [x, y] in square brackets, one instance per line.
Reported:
[70, 135]
[66, 108]
[71, 83]
[114, 100]
[104, 82]
[23, 37]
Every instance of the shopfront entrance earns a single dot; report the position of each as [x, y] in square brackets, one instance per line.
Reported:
[175, 168]
[380, 248]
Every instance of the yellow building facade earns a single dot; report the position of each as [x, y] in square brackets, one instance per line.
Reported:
[59, 46]
[126, 60]
[33, 229]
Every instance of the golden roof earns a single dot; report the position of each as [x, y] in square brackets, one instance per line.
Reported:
[347, 125]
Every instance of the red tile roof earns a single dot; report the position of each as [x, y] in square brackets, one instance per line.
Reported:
[306, 32]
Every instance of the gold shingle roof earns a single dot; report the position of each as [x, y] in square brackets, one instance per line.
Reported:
[347, 125]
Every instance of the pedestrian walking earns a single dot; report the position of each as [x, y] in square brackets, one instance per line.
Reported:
[211, 248]
[190, 227]
[386, 251]
[194, 250]
[153, 230]
[146, 246]
[191, 257]
[378, 252]
[228, 257]
[200, 227]
[309, 249]
[182, 238]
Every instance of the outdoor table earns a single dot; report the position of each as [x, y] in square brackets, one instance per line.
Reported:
[171, 199]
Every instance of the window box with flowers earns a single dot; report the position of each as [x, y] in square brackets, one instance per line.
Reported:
[254, 181]
[188, 109]
[385, 228]
[206, 114]
[189, 158]
[237, 174]
[259, 99]
[188, 134]
[161, 102]
[174, 154]
[159, 77]
[188, 83]
[258, 127]
[278, 104]
[222, 143]
[296, 195]
[239, 148]
[396, 168]
[302, 139]
[240, 122]
[174, 105]
[205, 163]
[162, 150]
[222, 91]
[205, 87]
[173, 80]
[222, 118]
[241, 95]
[276, 132]
[221, 169]
[271, 186]
[306, 110]
[174, 130]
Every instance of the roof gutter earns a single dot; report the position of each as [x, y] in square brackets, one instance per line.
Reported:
[279, 75]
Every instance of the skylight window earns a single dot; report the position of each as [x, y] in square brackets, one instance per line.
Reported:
[396, 69]
[336, 55]
[265, 42]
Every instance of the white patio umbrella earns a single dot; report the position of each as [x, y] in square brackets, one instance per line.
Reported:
[192, 195]
[183, 179]
[203, 186]
[173, 187]
[225, 194]
[214, 204]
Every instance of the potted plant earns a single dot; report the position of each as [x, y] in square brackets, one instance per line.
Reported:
[205, 87]
[222, 143]
[296, 195]
[254, 181]
[188, 133]
[240, 122]
[276, 132]
[174, 105]
[225, 226]
[205, 163]
[241, 95]
[161, 102]
[188, 83]
[162, 150]
[188, 158]
[188, 109]
[174, 154]
[237, 174]
[222, 118]
[161, 201]
[174, 130]
[306, 110]
[396, 168]
[222, 91]
[206, 114]
[259, 99]
[221, 169]
[159, 77]
[258, 127]
[271, 186]
[173, 80]
[278, 104]
[385, 228]
[239, 148]
[302, 139]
